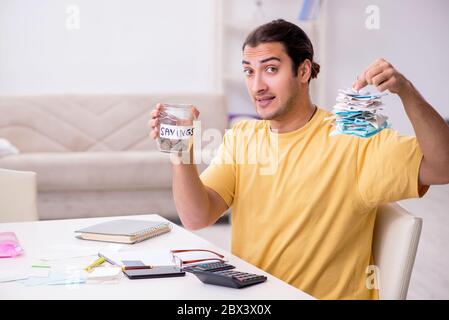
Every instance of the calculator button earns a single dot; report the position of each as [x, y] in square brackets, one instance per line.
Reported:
[212, 266]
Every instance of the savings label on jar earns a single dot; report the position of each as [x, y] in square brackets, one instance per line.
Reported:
[168, 131]
[176, 128]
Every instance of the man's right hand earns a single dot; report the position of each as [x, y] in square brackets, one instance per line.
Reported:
[197, 205]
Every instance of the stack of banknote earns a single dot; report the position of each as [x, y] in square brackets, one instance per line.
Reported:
[358, 113]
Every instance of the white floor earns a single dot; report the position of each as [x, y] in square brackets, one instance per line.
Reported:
[429, 279]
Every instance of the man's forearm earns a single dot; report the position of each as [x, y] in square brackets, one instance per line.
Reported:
[432, 131]
[190, 196]
[430, 128]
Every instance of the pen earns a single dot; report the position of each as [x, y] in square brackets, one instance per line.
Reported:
[136, 267]
[94, 264]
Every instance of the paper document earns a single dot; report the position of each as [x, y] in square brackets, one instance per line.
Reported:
[13, 275]
[56, 278]
[61, 252]
[148, 257]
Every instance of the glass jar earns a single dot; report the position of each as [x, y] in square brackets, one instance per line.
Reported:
[175, 127]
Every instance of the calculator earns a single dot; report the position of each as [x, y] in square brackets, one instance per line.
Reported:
[211, 266]
[229, 278]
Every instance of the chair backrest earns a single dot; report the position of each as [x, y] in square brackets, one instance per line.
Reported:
[17, 196]
[395, 242]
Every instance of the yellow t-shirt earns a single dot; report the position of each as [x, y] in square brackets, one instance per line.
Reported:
[304, 203]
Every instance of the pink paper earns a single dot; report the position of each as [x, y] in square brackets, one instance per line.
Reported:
[9, 245]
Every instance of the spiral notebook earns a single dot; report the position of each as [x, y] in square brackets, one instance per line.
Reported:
[124, 231]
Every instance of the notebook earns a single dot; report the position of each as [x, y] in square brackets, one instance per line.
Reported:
[124, 231]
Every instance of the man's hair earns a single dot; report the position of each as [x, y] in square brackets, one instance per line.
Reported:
[295, 41]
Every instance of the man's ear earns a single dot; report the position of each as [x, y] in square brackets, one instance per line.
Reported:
[305, 71]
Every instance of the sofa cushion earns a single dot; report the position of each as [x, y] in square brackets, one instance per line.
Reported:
[95, 170]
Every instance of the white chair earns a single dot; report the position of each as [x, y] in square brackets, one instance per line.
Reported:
[395, 242]
[17, 196]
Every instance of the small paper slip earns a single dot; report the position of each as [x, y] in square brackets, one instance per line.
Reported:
[105, 273]
[64, 278]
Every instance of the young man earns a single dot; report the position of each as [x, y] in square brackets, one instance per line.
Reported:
[309, 221]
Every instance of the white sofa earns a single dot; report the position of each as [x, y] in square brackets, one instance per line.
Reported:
[92, 153]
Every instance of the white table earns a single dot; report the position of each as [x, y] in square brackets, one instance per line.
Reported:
[36, 236]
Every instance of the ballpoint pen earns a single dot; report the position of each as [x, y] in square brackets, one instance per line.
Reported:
[94, 264]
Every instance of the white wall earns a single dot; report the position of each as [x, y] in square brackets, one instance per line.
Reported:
[413, 36]
[127, 46]
[122, 46]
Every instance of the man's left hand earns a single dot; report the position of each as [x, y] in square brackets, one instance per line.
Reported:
[383, 76]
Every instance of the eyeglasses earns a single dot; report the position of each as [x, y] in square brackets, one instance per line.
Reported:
[180, 262]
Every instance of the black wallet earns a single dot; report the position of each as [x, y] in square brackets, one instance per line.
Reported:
[155, 272]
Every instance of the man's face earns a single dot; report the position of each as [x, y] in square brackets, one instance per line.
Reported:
[269, 79]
